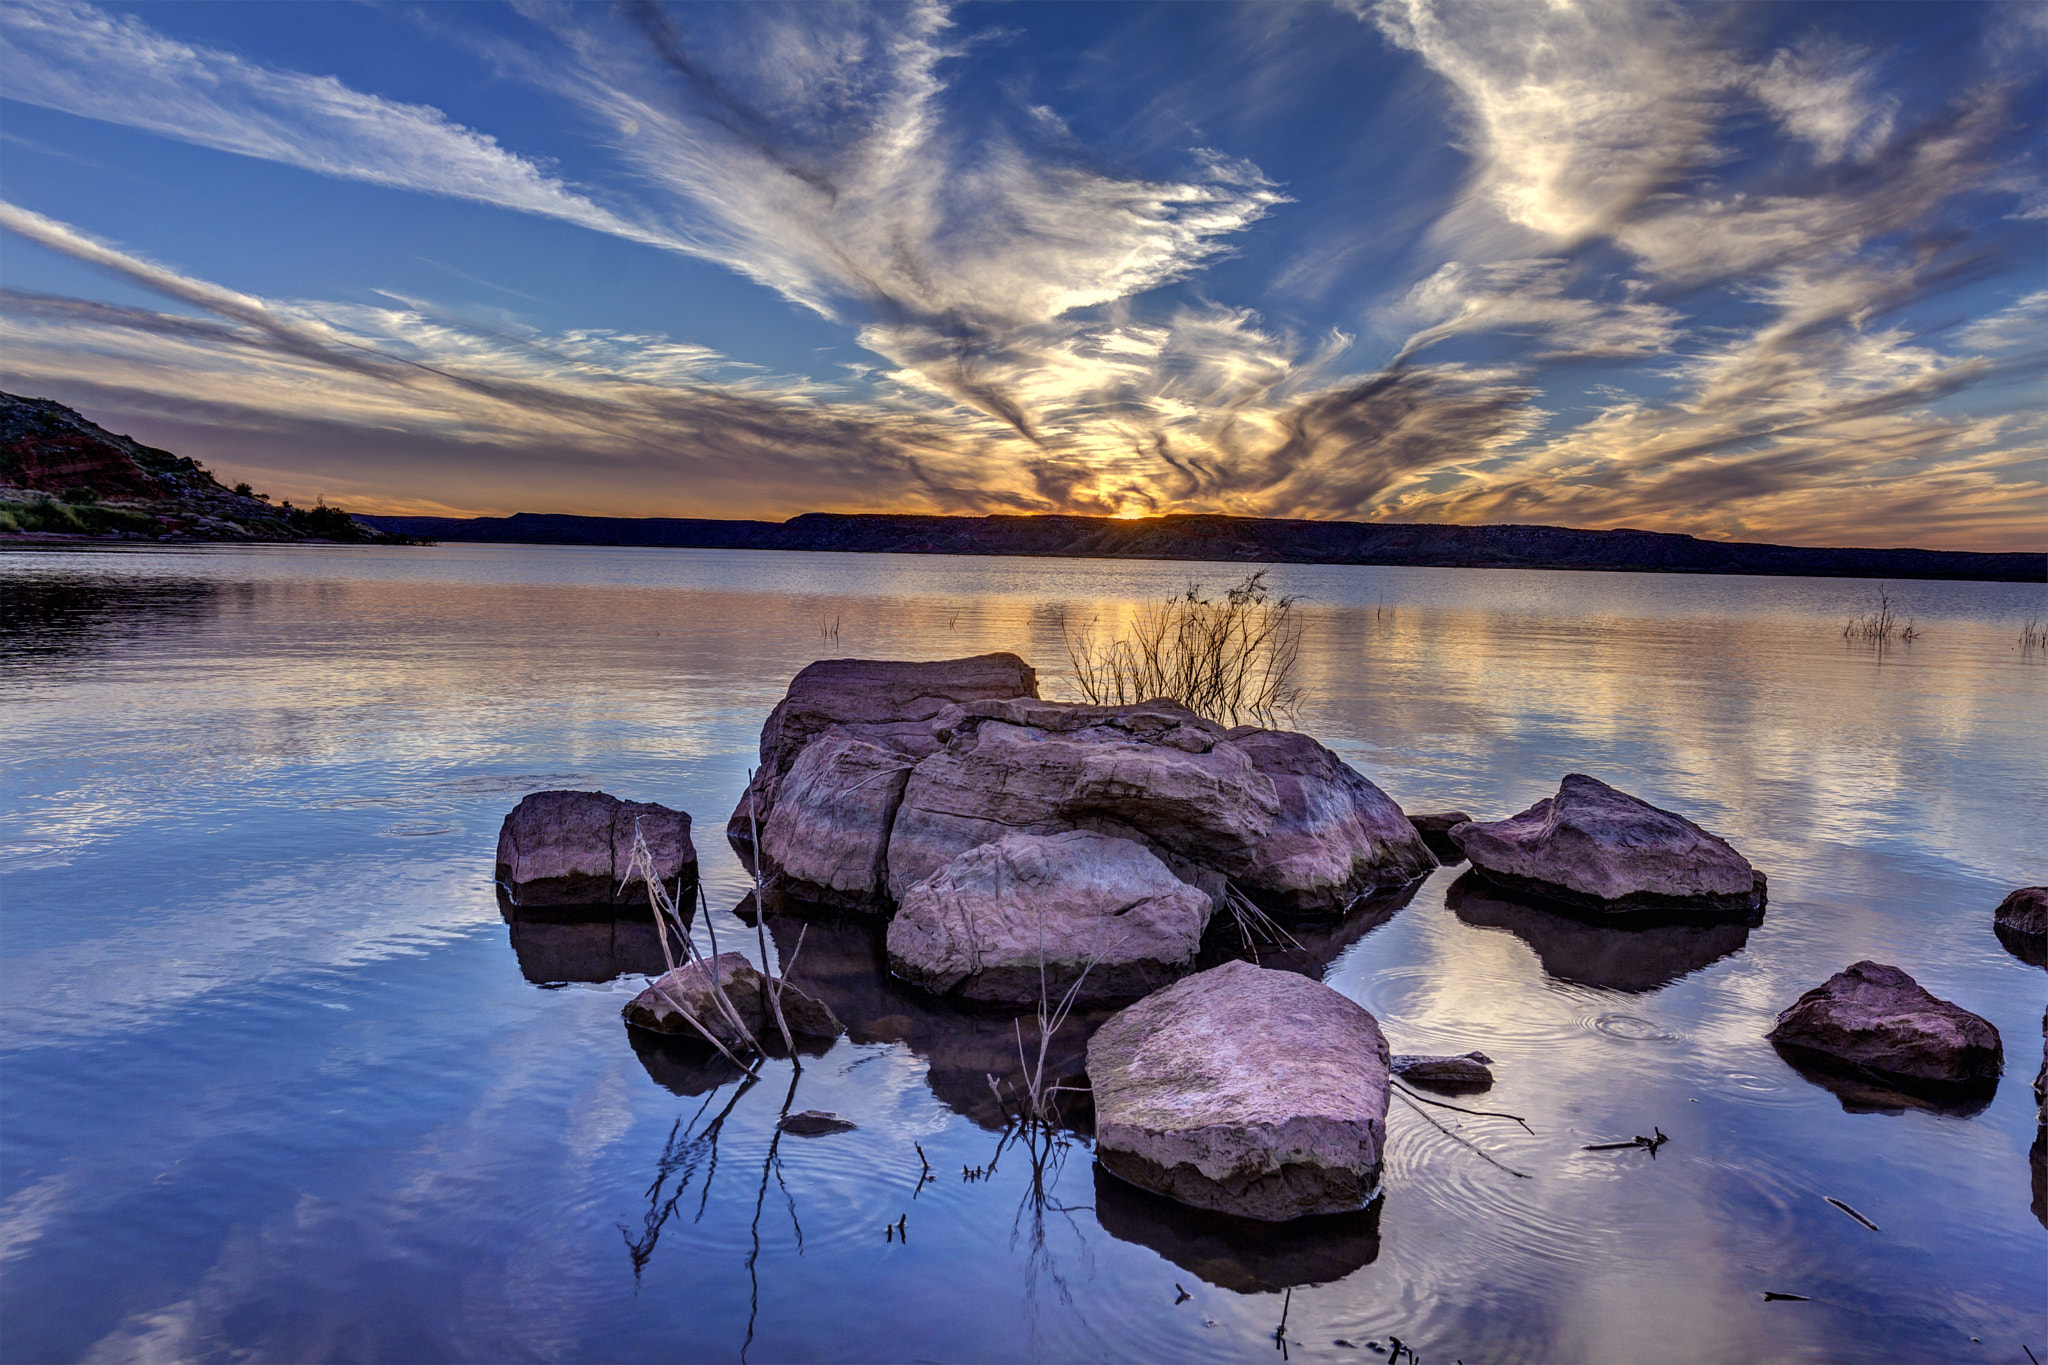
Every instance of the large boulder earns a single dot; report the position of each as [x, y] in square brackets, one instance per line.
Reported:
[1245, 1091]
[569, 848]
[675, 999]
[827, 839]
[1880, 1021]
[885, 702]
[1337, 837]
[2021, 923]
[1154, 772]
[1602, 849]
[1029, 914]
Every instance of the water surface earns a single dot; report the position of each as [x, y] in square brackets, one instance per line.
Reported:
[281, 1081]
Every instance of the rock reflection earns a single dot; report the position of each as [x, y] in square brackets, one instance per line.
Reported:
[557, 948]
[52, 615]
[844, 962]
[1620, 953]
[1861, 1092]
[1239, 1254]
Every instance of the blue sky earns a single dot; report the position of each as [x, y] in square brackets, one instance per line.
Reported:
[1758, 272]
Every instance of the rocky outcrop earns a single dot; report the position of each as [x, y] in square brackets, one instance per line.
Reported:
[674, 999]
[827, 838]
[1435, 829]
[563, 848]
[887, 703]
[1337, 836]
[1598, 848]
[2021, 923]
[1030, 914]
[1244, 1091]
[1880, 1021]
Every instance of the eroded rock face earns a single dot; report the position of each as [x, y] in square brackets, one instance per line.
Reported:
[569, 848]
[1029, 912]
[661, 1007]
[2021, 922]
[1337, 837]
[1599, 848]
[827, 839]
[1879, 1019]
[1244, 1091]
[1154, 773]
[885, 702]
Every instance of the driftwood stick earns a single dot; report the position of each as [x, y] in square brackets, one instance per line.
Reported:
[1476, 1113]
[1484, 1155]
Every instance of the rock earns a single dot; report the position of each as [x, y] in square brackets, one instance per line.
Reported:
[827, 839]
[1435, 830]
[1028, 912]
[573, 848]
[2021, 923]
[1595, 847]
[1137, 772]
[884, 702]
[1244, 1091]
[1337, 838]
[1879, 1020]
[1618, 953]
[689, 986]
[1469, 1072]
[816, 1123]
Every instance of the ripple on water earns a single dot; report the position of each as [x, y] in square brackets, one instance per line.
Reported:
[1629, 1028]
[417, 829]
[1408, 1004]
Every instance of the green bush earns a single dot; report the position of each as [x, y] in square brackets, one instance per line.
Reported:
[49, 515]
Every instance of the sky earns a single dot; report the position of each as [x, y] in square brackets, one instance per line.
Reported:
[1755, 272]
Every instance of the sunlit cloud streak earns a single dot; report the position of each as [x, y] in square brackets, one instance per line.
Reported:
[1628, 314]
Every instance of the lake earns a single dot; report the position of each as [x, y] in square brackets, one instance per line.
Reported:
[281, 1082]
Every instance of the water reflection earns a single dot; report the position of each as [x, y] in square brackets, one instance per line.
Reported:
[1863, 1093]
[1633, 954]
[1239, 1254]
[554, 949]
[1307, 948]
[53, 615]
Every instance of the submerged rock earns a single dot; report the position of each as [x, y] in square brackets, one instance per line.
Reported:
[662, 1007]
[2021, 923]
[816, 1123]
[1634, 952]
[572, 848]
[1245, 1091]
[1596, 847]
[1879, 1019]
[887, 703]
[1028, 913]
[1472, 1071]
[1435, 830]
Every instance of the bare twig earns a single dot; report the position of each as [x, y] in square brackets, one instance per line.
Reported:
[1476, 1113]
[1228, 659]
[1484, 1155]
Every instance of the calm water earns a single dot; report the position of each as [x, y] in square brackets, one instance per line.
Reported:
[280, 1082]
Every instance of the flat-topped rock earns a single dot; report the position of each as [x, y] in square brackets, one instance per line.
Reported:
[1880, 1020]
[683, 1002]
[1245, 1091]
[1337, 837]
[1599, 848]
[2021, 923]
[574, 848]
[1027, 912]
[886, 702]
[1468, 1071]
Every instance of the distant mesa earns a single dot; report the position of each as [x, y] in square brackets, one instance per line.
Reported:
[1207, 536]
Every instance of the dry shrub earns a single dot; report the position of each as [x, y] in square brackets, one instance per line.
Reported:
[1230, 658]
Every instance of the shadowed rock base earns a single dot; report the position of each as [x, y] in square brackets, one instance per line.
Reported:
[1870, 1092]
[1239, 1254]
[1638, 952]
[1280, 1196]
